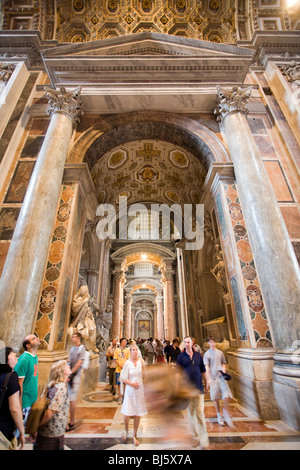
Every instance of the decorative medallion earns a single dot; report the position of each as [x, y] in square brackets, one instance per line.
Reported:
[147, 174]
[117, 158]
[179, 159]
[172, 196]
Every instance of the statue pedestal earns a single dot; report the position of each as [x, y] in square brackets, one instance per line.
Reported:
[90, 376]
[46, 361]
[103, 367]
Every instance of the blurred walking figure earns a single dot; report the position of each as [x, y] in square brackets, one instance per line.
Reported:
[192, 363]
[76, 360]
[134, 399]
[215, 364]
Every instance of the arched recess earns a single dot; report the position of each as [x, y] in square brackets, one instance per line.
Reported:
[117, 129]
[89, 262]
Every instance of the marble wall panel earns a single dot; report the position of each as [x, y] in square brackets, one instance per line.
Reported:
[279, 182]
[32, 147]
[19, 183]
[4, 247]
[8, 220]
[39, 127]
[291, 217]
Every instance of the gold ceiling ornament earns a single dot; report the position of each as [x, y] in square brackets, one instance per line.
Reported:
[223, 21]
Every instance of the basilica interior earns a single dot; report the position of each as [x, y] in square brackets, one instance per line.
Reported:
[114, 107]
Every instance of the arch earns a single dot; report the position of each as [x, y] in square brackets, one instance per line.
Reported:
[157, 252]
[115, 130]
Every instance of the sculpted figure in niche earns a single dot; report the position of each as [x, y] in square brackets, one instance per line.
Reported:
[83, 319]
[103, 319]
[219, 270]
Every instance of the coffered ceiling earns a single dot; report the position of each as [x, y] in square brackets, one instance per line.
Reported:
[149, 171]
[221, 21]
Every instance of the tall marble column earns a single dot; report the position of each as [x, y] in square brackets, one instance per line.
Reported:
[127, 322]
[169, 306]
[118, 304]
[25, 263]
[182, 293]
[159, 315]
[275, 259]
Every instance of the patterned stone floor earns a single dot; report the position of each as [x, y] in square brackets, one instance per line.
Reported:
[100, 424]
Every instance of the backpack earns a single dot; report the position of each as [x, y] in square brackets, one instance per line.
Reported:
[36, 412]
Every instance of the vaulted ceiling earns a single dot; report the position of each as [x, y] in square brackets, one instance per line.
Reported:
[222, 21]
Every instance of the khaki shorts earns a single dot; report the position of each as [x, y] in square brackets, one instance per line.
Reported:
[219, 389]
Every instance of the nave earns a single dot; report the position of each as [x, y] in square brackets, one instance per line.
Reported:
[100, 424]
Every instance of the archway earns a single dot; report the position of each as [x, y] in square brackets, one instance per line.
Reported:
[152, 158]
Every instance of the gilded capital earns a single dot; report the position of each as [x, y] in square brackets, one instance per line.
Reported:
[62, 101]
[231, 100]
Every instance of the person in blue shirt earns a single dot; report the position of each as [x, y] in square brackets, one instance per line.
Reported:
[192, 364]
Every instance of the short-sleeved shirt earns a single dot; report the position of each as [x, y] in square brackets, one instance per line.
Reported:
[193, 368]
[7, 424]
[59, 402]
[214, 358]
[121, 355]
[174, 353]
[27, 369]
[77, 353]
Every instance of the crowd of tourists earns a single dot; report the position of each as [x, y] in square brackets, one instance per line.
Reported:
[138, 371]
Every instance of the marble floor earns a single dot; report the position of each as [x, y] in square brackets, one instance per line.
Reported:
[100, 424]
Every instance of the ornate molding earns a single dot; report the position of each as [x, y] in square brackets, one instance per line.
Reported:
[291, 71]
[6, 71]
[231, 100]
[61, 101]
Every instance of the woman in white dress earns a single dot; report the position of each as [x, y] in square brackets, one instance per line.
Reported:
[134, 400]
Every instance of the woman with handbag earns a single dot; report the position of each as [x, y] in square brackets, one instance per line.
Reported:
[10, 407]
[52, 427]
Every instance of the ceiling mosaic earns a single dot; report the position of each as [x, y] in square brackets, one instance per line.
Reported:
[149, 171]
[222, 21]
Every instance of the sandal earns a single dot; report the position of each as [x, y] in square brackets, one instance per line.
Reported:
[70, 427]
[124, 437]
[135, 441]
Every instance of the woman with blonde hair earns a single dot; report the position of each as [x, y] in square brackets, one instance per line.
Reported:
[52, 427]
[134, 399]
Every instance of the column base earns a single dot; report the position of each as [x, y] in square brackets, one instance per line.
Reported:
[90, 376]
[252, 384]
[46, 361]
[286, 376]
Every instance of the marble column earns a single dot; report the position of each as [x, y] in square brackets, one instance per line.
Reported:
[159, 314]
[104, 274]
[273, 252]
[182, 293]
[127, 322]
[169, 307]
[118, 304]
[275, 259]
[25, 263]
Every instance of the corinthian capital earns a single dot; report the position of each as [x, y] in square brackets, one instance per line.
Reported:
[61, 101]
[231, 100]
